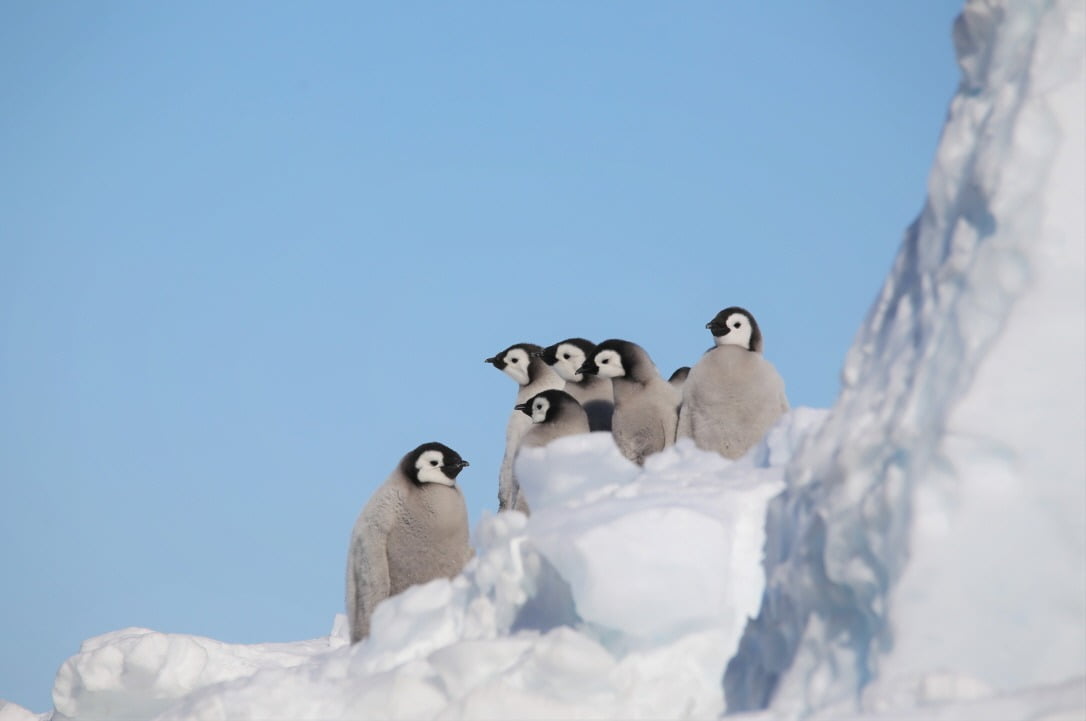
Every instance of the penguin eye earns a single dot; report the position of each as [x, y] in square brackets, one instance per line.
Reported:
[433, 463]
[514, 360]
[566, 356]
[605, 361]
[737, 324]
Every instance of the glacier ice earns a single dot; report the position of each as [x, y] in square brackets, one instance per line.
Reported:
[936, 521]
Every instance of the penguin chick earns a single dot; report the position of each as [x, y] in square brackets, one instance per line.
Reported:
[593, 392]
[554, 414]
[646, 410]
[679, 376]
[733, 395]
[677, 379]
[522, 363]
[413, 529]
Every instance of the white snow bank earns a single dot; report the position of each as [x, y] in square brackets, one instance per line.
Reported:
[934, 527]
[10, 711]
[950, 697]
[622, 596]
[136, 672]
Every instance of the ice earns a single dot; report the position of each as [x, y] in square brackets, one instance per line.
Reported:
[924, 560]
[935, 524]
[622, 596]
[136, 672]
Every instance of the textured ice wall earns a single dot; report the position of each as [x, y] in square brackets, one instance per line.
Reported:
[936, 521]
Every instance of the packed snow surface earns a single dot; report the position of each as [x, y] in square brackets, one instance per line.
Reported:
[569, 614]
[924, 542]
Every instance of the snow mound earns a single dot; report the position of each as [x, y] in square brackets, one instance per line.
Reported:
[934, 525]
[623, 596]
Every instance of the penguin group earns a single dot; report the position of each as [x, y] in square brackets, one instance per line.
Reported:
[414, 528]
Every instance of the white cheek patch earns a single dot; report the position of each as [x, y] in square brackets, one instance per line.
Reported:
[516, 365]
[428, 472]
[539, 410]
[568, 367]
[736, 336]
[610, 364]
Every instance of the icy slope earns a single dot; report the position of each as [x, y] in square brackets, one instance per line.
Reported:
[623, 596]
[936, 524]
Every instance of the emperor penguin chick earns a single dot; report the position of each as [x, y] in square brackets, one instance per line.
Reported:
[554, 414]
[413, 529]
[646, 406]
[593, 392]
[522, 363]
[677, 379]
[733, 395]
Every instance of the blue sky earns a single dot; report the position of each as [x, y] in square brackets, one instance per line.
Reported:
[252, 253]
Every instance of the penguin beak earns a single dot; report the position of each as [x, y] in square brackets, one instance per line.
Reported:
[452, 470]
[493, 359]
[709, 325]
[587, 367]
[523, 408]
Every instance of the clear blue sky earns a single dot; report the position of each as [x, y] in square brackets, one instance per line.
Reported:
[251, 253]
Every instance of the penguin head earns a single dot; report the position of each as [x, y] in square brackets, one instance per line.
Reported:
[613, 358]
[566, 358]
[546, 405]
[736, 326]
[433, 463]
[679, 376]
[515, 361]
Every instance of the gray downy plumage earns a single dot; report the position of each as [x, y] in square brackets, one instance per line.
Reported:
[522, 363]
[733, 395]
[412, 530]
[595, 394]
[553, 414]
[646, 406]
[677, 379]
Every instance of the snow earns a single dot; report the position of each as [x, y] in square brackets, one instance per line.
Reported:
[935, 525]
[917, 551]
[571, 613]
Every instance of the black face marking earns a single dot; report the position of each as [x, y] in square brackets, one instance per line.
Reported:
[589, 367]
[719, 326]
[627, 353]
[557, 401]
[453, 463]
[499, 362]
[550, 353]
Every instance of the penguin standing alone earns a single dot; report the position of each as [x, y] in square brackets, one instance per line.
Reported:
[733, 395]
[522, 363]
[646, 410]
[412, 530]
[593, 392]
[554, 414]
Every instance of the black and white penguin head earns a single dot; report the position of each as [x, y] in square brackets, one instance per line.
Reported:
[736, 326]
[546, 405]
[679, 376]
[433, 463]
[515, 361]
[566, 358]
[614, 358]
